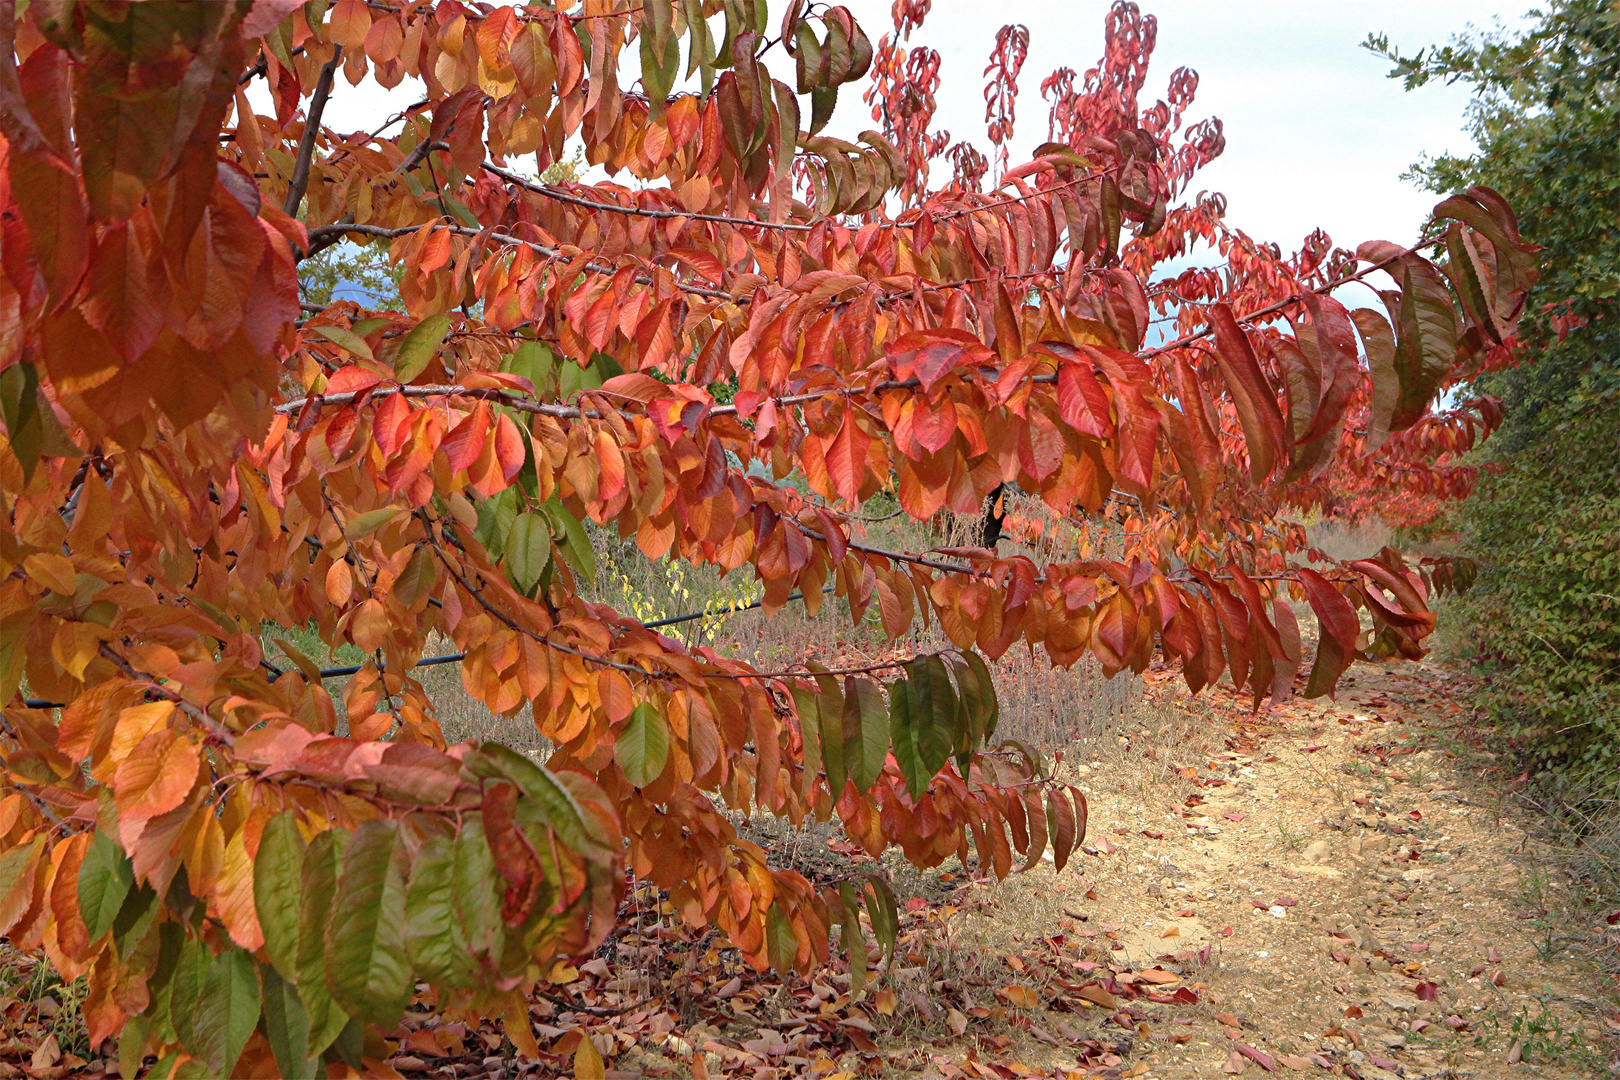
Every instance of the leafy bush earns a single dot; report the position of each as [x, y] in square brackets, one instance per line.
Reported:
[1544, 527]
[1546, 628]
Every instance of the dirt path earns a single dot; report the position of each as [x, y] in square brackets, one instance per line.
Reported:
[1367, 906]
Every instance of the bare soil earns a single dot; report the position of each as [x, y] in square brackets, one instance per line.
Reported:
[1344, 885]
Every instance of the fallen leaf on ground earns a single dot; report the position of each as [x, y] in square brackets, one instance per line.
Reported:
[46, 1054]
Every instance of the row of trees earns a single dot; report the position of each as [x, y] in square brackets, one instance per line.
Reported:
[250, 867]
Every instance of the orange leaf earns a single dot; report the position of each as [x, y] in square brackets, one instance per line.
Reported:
[339, 583]
[350, 23]
[156, 777]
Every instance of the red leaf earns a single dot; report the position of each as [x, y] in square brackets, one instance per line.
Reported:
[846, 458]
[1252, 394]
[509, 447]
[466, 440]
[929, 355]
[1339, 626]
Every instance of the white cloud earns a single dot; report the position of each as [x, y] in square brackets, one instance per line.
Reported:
[1316, 134]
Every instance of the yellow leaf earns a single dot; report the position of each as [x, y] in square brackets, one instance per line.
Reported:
[515, 1022]
[53, 571]
[75, 645]
[562, 972]
[1171, 931]
[235, 896]
[885, 1001]
[203, 851]
[587, 1062]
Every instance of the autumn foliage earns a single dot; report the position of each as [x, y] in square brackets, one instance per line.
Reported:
[243, 862]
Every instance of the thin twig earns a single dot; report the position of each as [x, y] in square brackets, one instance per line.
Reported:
[312, 131]
[517, 627]
[322, 231]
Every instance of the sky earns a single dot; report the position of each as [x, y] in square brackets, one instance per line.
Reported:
[1316, 134]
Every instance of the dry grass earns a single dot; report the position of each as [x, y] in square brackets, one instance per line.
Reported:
[1342, 541]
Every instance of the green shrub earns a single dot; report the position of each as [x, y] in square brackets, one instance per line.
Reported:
[1545, 613]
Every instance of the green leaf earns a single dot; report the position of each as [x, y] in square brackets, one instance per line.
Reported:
[495, 518]
[186, 990]
[805, 704]
[435, 949]
[366, 327]
[984, 696]
[660, 53]
[823, 100]
[903, 721]
[318, 887]
[849, 936]
[31, 423]
[463, 213]
[781, 943]
[866, 732]
[345, 340]
[19, 404]
[420, 346]
[286, 1026]
[479, 929]
[642, 748]
[277, 871]
[573, 378]
[934, 721]
[160, 984]
[350, 1043]
[576, 545]
[535, 361]
[363, 525]
[134, 919]
[527, 550]
[227, 1011]
[551, 801]
[132, 1045]
[367, 972]
[831, 710]
[105, 878]
[884, 914]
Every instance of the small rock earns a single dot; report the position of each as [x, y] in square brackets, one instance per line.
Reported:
[1277, 911]
[1316, 851]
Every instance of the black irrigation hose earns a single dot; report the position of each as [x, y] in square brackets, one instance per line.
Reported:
[456, 658]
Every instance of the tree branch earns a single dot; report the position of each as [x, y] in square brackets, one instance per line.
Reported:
[312, 131]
